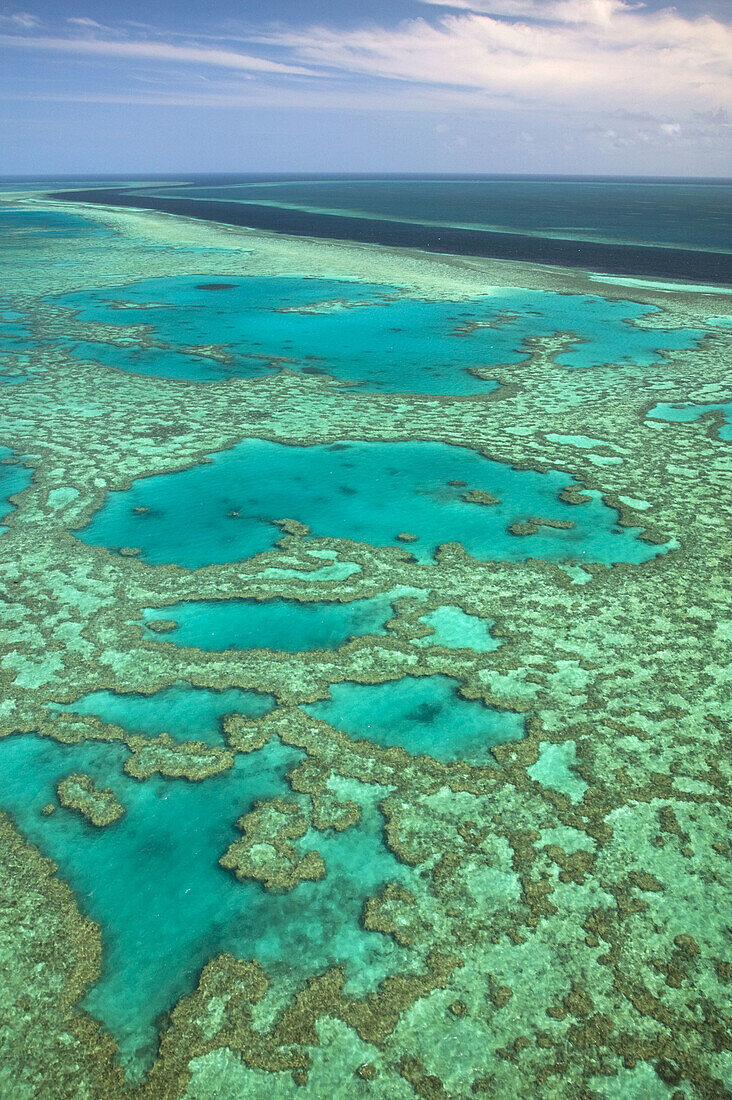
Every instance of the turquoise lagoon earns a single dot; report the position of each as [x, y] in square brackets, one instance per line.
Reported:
[419, 714]
[164, 905]
[453, 628]
[13, 479]
[688, 411]
[360, 333]
[24, 229]
[15, 339]
[289, 625]
[13, 332]
[185, 712]
[225, 510]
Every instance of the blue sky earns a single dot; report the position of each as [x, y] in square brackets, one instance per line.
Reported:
[585, 86]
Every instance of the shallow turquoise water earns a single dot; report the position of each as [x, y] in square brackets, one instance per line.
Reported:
[455, 629]
[163, 903]
[365, 335]
[185, 712]
[15, 338]
[13, 479]
[270, 624]
[689, 412]
[28, 228]
[369, 492]
[421, 715]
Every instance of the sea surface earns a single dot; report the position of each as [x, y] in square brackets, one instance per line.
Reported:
[393, 621]
[661, 228]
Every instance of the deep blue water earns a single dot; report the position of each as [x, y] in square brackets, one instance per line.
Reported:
[686, 214]
[656, 228]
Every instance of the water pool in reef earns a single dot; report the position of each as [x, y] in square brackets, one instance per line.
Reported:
[289, 625]
[368, 492]
[686, 412]
[185, 712]
[453, 628]
[152, 881]
[367, 334]
[14, 336]
[13, 479]
[419, 714]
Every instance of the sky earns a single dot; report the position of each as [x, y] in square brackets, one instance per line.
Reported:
[474, 86]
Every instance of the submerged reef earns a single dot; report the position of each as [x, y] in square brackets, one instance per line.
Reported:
[358, 739]
[98, 806]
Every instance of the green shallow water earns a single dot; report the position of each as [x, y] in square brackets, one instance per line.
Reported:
[185, 712]
[288, 625]
[419, 714]
[163, 903]
[369, 492]
[360, 333]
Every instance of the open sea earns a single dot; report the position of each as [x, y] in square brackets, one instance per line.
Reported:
[663, 228]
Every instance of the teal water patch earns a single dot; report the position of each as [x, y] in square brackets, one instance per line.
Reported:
[455, 629]
[419, 714]
[360, 333]
[15, 338]
[368, 492]
[688, 411]
[555, 769]
[270, 624]
[23, 229]
[185, 712]
[164, 905]
[13, 479]
[12, 329]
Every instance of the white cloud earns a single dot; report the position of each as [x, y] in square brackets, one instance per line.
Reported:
[20, 20]
[84, 22]
[602, 57]
[551, 11]
[588, 54]
[151, 51]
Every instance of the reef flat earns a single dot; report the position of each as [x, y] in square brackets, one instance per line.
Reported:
[408, 777]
